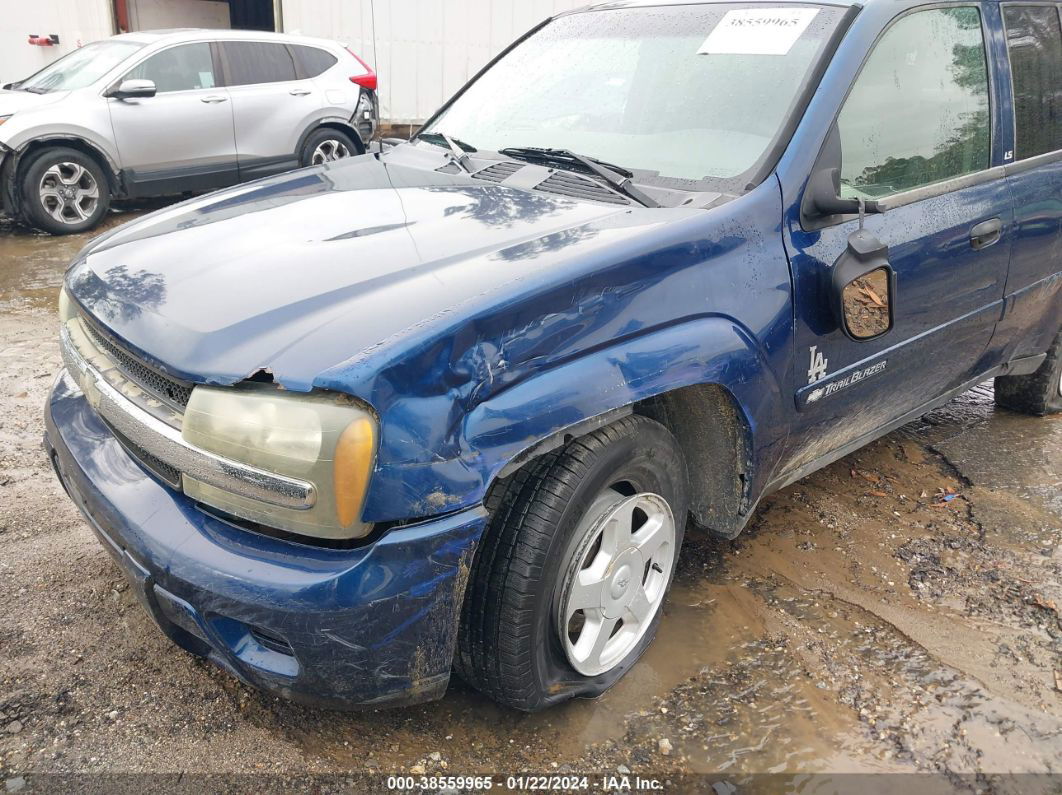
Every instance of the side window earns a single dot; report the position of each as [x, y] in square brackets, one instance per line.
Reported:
[184, 68]
[251, 62]
[1034, 43]
[312, 61]
[918, 112]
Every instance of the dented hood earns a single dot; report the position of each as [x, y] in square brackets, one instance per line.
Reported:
[303, 272]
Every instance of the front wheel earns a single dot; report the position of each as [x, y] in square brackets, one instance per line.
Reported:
[566, 590]
[64, 191]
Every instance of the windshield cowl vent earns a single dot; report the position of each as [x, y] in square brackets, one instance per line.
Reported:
[567, 183]
[562, 183]
[498, 172]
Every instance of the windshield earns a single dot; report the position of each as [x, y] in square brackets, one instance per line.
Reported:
[693, 92]
[81, 68]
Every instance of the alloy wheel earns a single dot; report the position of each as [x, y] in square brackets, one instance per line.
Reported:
[616, 579]
[69, 193]
[328, 151]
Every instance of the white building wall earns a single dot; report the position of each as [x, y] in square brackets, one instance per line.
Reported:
[424, 50]
[76, 21]
[165, 14]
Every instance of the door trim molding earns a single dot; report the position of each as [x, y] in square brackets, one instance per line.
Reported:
[160, 182]
[791, 476]
[1029, 163]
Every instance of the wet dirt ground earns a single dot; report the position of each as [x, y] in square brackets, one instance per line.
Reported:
[898, 611]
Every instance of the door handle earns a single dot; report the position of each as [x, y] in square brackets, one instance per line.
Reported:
[986, 233]
[300, 92]
[213, 98]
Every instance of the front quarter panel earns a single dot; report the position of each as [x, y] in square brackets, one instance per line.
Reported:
[703, 299]
[81, 115]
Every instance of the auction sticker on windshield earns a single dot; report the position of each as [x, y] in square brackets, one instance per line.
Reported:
[758, 31]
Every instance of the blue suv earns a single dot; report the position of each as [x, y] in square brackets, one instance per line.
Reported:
[451, 405]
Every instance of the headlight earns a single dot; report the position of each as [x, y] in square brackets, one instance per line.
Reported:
[326, 439]
[5, 118]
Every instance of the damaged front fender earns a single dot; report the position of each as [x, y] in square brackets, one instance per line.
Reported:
[504, 431]
[623, 323]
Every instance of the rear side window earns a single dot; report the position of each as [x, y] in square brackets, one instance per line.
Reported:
[251, 62]
[312, 61]
[918, 112]
[187, 67]
[1034, 42]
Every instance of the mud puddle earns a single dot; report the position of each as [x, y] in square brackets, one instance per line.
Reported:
[721, 684]
[1009, 455]
[32, 263]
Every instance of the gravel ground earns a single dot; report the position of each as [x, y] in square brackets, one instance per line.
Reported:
[896, 612]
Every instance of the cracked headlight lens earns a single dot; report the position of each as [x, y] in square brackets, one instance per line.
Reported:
[328, 440]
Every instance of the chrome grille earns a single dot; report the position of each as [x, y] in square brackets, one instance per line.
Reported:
[168, 474]
[164, 442]
[171, 390]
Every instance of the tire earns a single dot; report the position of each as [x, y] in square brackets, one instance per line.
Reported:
[64, 191]
[535, 550]
[327, 145]
[1038, 393]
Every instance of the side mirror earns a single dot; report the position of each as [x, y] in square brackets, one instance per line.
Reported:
[863, 287]
[824, 195]
[133, 89]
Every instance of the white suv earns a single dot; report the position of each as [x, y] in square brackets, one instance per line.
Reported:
[154, 113]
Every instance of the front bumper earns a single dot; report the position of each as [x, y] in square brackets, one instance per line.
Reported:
[339, 628]
[7, 181]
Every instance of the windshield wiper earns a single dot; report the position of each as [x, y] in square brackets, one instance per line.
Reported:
[616, 176]
[458, 148]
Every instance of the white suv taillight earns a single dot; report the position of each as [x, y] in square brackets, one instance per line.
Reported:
[367, 79]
